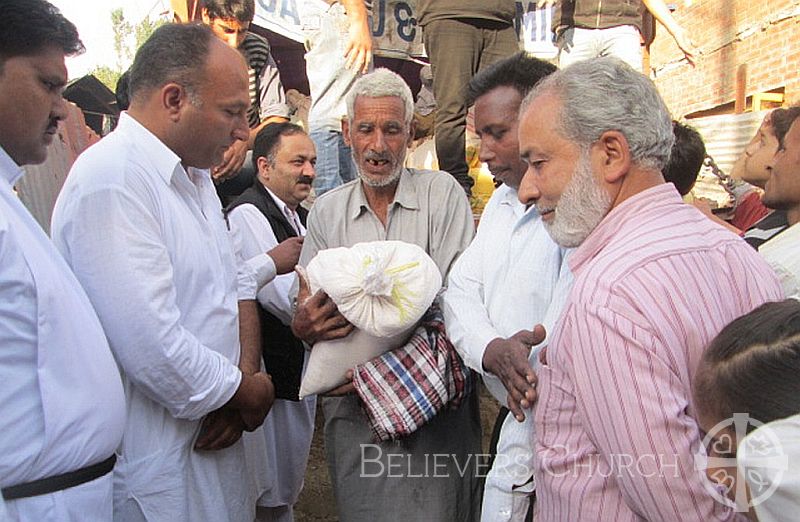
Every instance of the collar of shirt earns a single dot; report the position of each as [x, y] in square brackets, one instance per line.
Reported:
[405, 195]
[281, 204]
[662, 195]
[290, 214]
[510, 197]
[165, 161]
[9, 170]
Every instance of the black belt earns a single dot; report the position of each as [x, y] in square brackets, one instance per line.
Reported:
[58, 482]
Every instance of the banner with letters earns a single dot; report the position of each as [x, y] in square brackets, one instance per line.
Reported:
[395, 28]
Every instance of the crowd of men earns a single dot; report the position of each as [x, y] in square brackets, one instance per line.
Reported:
[152, 349]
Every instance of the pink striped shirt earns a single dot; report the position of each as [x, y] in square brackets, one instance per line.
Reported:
[615, 433]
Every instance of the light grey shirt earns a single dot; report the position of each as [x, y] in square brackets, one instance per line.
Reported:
[429, 210]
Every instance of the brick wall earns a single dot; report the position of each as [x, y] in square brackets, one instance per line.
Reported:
[764, 34]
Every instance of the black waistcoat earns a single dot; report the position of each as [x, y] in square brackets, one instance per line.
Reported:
[282, 351]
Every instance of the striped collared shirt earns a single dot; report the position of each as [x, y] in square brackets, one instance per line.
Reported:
[615, 433]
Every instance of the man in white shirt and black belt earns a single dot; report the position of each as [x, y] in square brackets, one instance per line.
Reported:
[141, 226]
[60, 393]
[265, 214]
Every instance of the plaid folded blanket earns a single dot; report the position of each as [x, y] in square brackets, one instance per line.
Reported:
[404, 388]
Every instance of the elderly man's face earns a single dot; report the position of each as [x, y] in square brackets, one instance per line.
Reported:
[217, 117]
[292, 172]
[379, 137]
[782, 190]
[496, 121]
[560, 178]
[31, 104]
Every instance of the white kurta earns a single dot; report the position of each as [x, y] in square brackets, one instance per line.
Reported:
[290, 424]
[504, 282]
[149, 243]
[62, 400]
[782, 252]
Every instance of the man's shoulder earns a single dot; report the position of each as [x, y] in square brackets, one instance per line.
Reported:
[435, 179]
[256, 50]
[245, 208]
[336, 197]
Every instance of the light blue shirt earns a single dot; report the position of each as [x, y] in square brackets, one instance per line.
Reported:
[504, 282]
[61, 395]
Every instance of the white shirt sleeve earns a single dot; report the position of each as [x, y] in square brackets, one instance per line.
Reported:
[256, 267]
[112, 241]
[256, 235]
[466, 317]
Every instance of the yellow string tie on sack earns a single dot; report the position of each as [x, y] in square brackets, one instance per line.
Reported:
[381, 283]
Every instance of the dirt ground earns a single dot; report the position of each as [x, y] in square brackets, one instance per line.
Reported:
[317, 503]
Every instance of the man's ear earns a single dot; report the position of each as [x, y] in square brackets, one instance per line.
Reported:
[263, 168]
[612, 155]
[204, 16]
[346, 131]
[174, 99]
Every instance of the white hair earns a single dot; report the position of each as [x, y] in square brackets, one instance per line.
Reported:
[604, 94]
[379, 83]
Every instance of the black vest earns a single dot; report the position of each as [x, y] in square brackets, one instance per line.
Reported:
[282, 351]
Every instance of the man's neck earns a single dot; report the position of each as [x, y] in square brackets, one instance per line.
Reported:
[793, 215]
[379, 199]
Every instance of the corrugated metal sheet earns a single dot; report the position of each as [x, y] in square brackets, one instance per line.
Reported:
[727, 135]
[40, 186]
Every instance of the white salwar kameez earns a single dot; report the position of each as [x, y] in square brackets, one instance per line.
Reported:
[62, 400]
[149, 243]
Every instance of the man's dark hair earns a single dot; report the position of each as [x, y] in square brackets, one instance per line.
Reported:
[121, 91]
[173, 53]
[269, 138]
[752, 366]
[241, 10]
[519, 71]
[686, 158]
[31, 25]
[781, 120]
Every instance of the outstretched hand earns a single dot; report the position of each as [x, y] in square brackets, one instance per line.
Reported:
[508, 360]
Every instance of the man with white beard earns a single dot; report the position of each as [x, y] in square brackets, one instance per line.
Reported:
[655, 281]
[429, 209]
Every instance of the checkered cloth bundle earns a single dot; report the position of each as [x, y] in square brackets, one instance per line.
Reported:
[405, 388]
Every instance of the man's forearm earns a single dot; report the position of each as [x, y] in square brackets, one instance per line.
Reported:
[249, 337]
[661, 12]
[356, 11]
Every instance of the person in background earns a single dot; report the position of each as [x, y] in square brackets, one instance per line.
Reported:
[141, 226]
[592, 28]
[61, 396]
[782, 192]
[425, 106]
[230, 21]
[614, 381]
[685, 159]
[262, 217]
[462, 37]
[338, 51]
[759, 222]
[748, 403]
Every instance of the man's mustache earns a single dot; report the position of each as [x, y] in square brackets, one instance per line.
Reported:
[377, 156]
